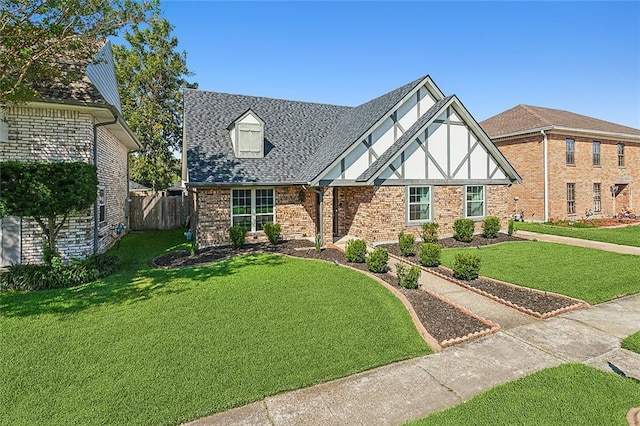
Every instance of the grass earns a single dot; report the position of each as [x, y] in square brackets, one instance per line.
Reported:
[149, 346]
[571, 394]
[594, 276]
[628, 236]
[632, 342]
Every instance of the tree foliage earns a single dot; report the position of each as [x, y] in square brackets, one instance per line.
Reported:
[47, 192]
[36, 35]
[152, 74]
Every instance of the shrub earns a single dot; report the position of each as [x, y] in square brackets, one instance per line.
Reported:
[273, 231]
[57, 274]
[408, 275]
[377, 260]
[318, 242]
[510, 227]
[466, 266]
[463, 230]
[430, 254]
[356, 251]
[237, 235]
[490, 226]
[407, 243]
[430, 232]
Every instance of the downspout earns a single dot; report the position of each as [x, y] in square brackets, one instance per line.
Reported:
[320, 209]
[546, 175]
[95, 163]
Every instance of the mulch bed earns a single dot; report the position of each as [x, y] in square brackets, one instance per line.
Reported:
[533, 302]
[443, 321]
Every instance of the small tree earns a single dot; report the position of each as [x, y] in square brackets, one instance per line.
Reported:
[47, 192]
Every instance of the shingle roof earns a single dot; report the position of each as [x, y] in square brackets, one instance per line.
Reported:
[410, 134]
[293, 133]
[526, 117]
[302, 139]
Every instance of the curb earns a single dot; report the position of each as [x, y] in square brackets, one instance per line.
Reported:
[579, 304]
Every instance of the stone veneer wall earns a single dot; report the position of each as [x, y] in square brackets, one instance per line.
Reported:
[52, 134]
[378, 213]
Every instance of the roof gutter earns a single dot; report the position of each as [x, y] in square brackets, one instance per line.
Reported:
[569, 130]
[95, 163]
[233, 184]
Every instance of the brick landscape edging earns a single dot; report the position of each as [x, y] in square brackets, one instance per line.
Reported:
[579, 304]
[633, 417]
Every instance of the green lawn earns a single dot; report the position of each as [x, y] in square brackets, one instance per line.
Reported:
[632, 342]
[148, 346]
[629, 235]
[571, 394]
[594, 276]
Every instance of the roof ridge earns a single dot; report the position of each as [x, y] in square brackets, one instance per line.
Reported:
[535, 114]
[267, 98]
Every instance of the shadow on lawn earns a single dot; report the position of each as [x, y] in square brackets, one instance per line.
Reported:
[124, 288]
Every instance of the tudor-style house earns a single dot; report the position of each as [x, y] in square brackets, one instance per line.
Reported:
[572, 166]
[81, 121]
[407, 157]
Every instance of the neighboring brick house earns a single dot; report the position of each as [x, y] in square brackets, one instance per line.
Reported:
[569, 163]
[81, 121]
[410, 156]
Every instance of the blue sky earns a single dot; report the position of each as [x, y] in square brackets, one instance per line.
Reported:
[583, 57]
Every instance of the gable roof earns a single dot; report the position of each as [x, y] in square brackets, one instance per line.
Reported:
[526, 119]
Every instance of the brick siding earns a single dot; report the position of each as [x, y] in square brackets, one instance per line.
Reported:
[53, 134]
[526, 155]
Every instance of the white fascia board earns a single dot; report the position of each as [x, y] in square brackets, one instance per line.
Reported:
[571, 131]
[431, 88]
[411, 139]
[485, 140]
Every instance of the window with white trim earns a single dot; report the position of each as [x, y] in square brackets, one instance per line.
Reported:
[419, 204]
[475, 201]
[571, 147]
[620, 155]
[102, 205]
[597, 198]
[571, 198]
[252, 208]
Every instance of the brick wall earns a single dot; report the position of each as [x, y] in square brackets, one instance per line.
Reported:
[51, 134]
[526, 155]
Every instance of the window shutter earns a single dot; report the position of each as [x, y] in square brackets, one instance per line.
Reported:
[250, 140]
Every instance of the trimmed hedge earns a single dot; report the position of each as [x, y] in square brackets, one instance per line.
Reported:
[273, 231]
[237, 235]
[407, 243]
[356, 251]
[58, 275]
[466, 266]
[430, 254]
[463, 230]
[377, 260]
[408, 275]
[430, 232]
[490, 227]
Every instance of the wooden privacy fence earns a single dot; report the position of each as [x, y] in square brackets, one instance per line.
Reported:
[158, 212]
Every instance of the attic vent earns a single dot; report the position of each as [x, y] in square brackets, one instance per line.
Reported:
[247, 135]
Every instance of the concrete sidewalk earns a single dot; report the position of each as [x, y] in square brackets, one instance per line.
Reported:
[412, 389]
[598, 245]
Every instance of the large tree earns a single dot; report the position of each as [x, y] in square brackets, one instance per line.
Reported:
[47, 192]
[152, 74]
[35, 35]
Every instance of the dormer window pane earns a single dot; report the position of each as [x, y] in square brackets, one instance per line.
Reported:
[250, 140]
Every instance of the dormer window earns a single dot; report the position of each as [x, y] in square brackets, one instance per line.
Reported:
[247, 135]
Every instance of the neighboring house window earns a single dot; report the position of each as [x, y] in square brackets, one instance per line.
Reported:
[102, 205]
[252, 208]
[475, 201]
[4, 127]
[597, 198]
[419, 204]
[250, 140]
[596, 153]
[571, 145]
[620, 155]
[571, 198]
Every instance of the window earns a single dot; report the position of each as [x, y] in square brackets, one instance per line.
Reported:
[474, 205]
[596, 153]
[4, 127]
[571, 198]
[252, 208]
[102, 205]
[597, 198]
[250, 140]
[419, 204]
[571, 145]
[620, 155]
